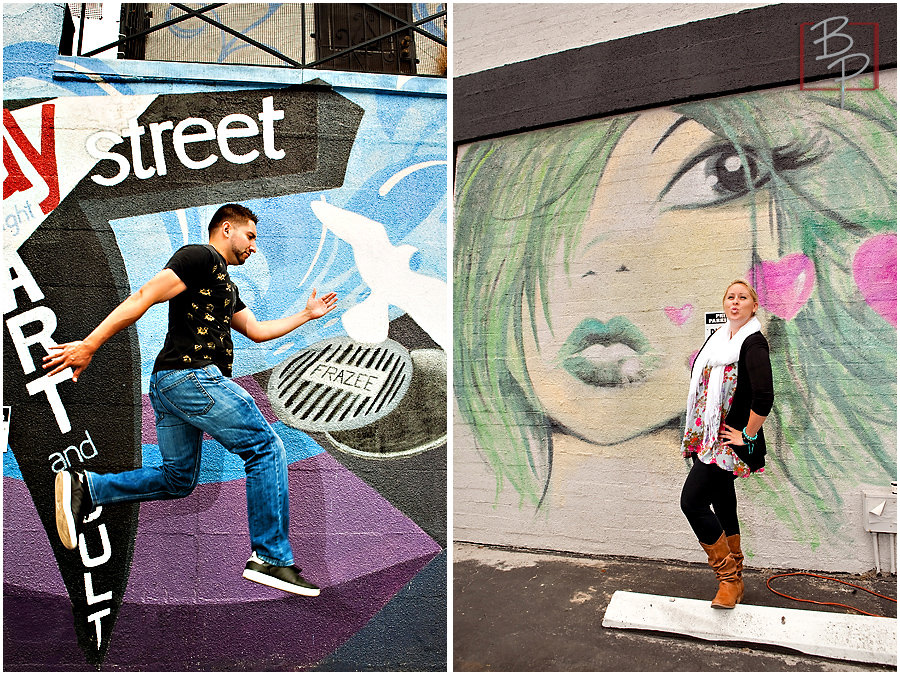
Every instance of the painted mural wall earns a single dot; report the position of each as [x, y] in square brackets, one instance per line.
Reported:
[109, 168]
[586, 259]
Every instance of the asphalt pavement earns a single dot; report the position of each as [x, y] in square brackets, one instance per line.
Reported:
[517, 610]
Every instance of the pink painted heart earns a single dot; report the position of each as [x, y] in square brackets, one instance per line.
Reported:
[875, 272]
[784, 285]
[678, 315]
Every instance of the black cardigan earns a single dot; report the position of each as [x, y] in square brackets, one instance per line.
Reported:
[754, 391]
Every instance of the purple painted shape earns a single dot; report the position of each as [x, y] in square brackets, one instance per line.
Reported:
[875, 273]
[286, 633]
[148, 422]
[25, 541]
[249, 383]
[186, 605]
[341, 529]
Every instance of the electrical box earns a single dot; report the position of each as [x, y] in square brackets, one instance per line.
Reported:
[880, 510]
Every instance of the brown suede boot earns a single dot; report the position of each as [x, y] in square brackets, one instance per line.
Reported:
[734, 545]
[720, 559]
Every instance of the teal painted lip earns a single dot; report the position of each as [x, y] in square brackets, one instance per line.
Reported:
[630, 358]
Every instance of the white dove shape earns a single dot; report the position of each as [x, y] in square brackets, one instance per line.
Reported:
[385, 269]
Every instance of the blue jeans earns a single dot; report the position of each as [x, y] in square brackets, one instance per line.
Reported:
[187, 404]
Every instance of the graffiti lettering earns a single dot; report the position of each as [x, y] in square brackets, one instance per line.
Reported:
[231, 126]
[44, 336]
[14, 220]
[44, 162]
[826, 36]
[105, 555]
[47, 319]
[60, 460]
[344, 378]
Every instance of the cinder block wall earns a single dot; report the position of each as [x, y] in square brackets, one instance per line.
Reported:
[589, 211]
[111, 167]
[489, 35]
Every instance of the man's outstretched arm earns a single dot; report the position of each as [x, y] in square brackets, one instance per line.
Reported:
[78, 354]
[245, 323]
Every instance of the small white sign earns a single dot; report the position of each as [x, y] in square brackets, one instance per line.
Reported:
[713, 321]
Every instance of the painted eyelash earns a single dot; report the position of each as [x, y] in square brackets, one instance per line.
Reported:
[797, 154]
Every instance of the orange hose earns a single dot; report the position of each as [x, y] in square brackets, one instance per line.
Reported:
[818, 602]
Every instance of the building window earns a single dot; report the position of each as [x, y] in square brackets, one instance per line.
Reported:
[399, 38]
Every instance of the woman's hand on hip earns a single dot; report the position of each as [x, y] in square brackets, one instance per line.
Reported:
[731, 436]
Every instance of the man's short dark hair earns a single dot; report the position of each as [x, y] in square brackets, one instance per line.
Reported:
[231, 212]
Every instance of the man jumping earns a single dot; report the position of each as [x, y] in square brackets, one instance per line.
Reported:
[191, 393]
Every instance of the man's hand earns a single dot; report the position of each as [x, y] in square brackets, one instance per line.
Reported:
[72, 354]
[319, 307]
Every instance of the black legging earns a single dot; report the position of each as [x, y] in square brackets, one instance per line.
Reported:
[707, 485]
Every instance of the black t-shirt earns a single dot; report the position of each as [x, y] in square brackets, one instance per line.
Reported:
[200, 317]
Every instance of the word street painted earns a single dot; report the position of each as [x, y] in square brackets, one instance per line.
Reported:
[236, 125]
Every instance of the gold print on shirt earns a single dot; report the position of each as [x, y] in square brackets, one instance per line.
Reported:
[209, 317]
[209, 307]
[220, 277]
[204, 291]
[195, 305]
[211, 345]
[186, 358]
[197, 348]
[227, 301]
[202, 330]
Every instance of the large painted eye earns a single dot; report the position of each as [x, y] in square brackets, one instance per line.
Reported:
[714, 176]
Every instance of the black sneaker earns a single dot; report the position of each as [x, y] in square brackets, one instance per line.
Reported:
[73, 503]
[283, 578]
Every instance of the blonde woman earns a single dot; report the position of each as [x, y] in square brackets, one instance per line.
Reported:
[730, 396]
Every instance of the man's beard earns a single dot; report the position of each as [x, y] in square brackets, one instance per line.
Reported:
[239, 255]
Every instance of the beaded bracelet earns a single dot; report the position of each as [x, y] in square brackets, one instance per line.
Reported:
[748, 440]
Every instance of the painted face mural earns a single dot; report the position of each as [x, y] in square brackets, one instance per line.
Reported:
[587, 255]
[607, 362]
[95, 206]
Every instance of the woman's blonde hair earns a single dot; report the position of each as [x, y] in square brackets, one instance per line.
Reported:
[750, 288]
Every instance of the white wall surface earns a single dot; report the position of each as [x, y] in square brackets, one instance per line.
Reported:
[488, 35]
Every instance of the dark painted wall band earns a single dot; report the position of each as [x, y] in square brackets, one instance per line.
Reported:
[750, 50]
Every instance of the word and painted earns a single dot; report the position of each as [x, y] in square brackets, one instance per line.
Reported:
[86, 449]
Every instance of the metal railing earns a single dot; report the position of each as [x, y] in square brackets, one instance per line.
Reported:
[361, 37]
